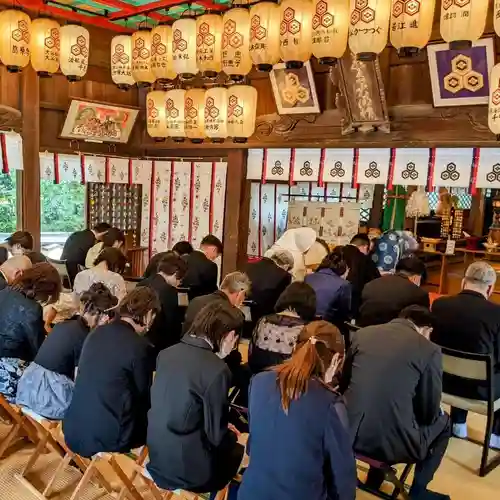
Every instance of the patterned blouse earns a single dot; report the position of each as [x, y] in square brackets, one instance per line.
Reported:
[85, 279]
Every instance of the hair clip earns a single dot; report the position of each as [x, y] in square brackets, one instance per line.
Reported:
[313, 340]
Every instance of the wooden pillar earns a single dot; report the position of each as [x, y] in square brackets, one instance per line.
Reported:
[30, 106]
[476, 214]
[236, 211]
[377, 211]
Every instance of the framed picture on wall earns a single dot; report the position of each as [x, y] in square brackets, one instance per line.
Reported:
[96, 122]
[294, 90]
[461, 77]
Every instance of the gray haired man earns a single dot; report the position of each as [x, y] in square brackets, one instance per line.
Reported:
[470, 322]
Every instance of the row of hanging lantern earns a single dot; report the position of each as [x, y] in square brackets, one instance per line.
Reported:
[48, 46]
[196, 114]
[292, 31]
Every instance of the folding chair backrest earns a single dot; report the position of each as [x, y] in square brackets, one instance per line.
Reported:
[182, 296]
[467, 365]
[130, 285]
[62, 269]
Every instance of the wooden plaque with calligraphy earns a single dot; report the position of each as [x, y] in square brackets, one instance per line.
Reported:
[362, 96]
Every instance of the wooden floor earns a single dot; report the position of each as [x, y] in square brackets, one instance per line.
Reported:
[457, 476]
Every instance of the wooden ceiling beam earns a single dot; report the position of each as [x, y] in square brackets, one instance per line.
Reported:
[145, 9]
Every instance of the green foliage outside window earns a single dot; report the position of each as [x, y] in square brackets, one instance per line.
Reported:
[62, 205]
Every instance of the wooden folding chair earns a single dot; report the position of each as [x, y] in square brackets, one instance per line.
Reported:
[19, 427]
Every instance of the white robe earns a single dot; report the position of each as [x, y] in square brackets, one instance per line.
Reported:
[297, 241]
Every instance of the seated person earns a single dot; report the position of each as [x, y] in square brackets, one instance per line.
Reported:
[276, 334]
[298, 242]
[233, 290]
[384, 298]
[19, 243]
[190, 445]
[362, 269]
[299, 443]
[202, 274]
[391, 247]
[78, 244]
[108, 412]
[470, 322]
[167, 327]
[13, 268]
[333, 291]
[392, 385]
[108, 268]
[46, 386]
[269, 276]
[21, 322]
[113, 238]
[181, 248]
[36, 257]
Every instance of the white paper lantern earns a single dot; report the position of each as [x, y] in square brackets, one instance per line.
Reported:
[330, 25]
[141, 58]
[209, 44]
[161, 53]
[44, 46]
[494, 101]
[236, 60]
[369, 27]
[194, 112]
[74, 54]
[411, 25]
[15, 30]
[296, 32]
[462, 21]
[156, 116]
[121, 61]
[241, 112]
[184, 48]
[265, 20]
[174, 112]
[216, 114]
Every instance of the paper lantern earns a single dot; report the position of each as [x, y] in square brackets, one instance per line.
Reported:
[296, 32]
[209, 44]
[174, 112]
[216, 114]
[156, 114]
[330, 28]
[462, 22]
[184, 48]
[236, 61]
[265, 20]
[368, 27]
[161, 53]
[121, 61]
[141, 58]
[411, 25]
[194, 112]
[494, 102]
[241, 112]
[44, 46]
[74, 52]
[496, 16]
[15, 29]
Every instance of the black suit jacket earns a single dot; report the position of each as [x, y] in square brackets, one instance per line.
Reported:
[392, 385]
[108, 411]
[384, 298]
[268, 282]
[3, 281]
[471, 323]
[187, 423]
[167, 325]
[362, 270]
[201, 276]
[198, 303]
[75, 250]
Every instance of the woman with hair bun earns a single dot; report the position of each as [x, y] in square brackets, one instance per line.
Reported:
[333, 291]
[21, 322]
[46, 386]
[299, 444]
[108, 411]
